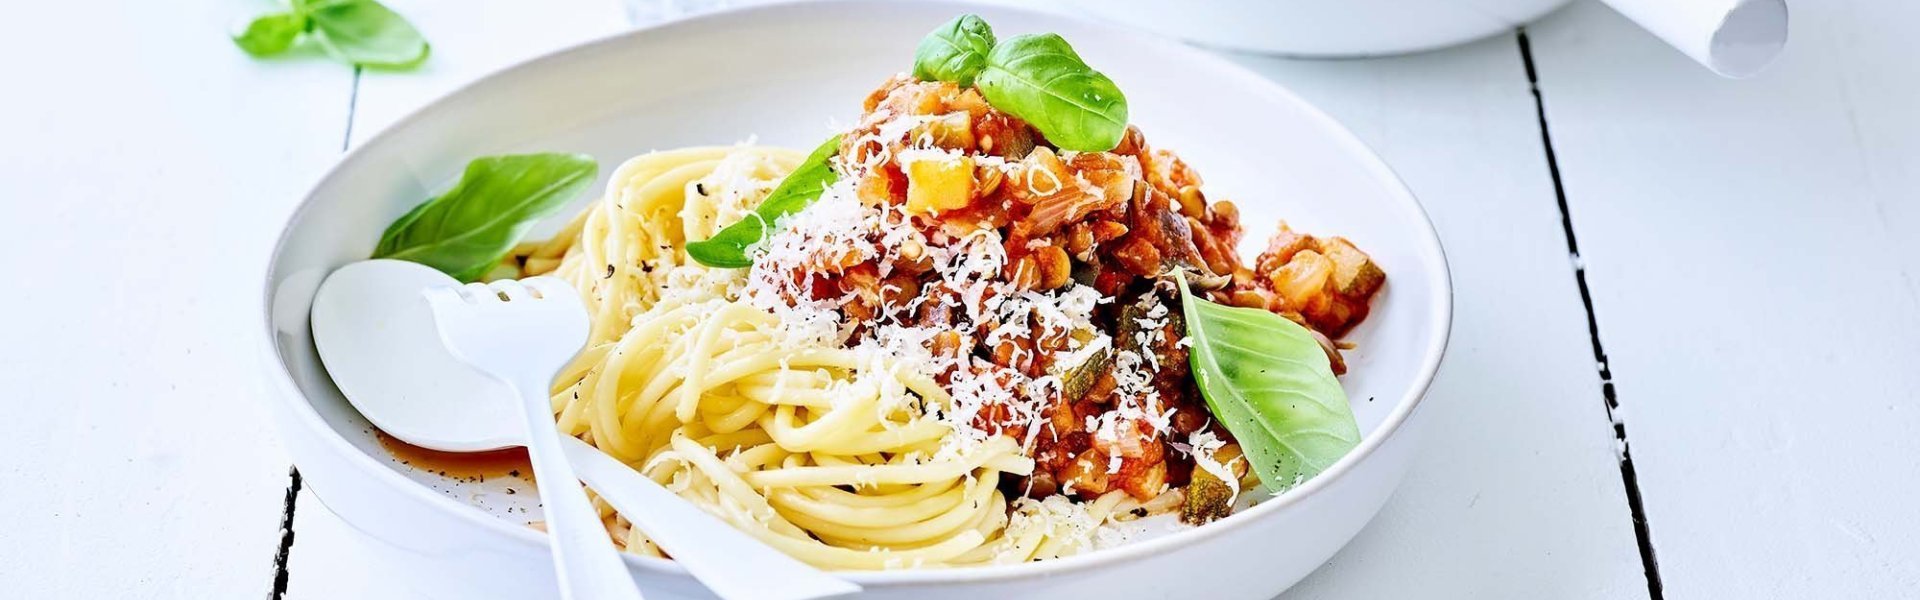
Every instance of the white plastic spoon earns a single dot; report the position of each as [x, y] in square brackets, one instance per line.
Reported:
[377, 338]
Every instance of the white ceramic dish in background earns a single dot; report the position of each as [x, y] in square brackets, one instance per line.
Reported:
[1324, 28]
[785, 73]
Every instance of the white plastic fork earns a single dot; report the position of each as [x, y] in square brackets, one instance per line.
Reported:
[521, 333]
[732, 564]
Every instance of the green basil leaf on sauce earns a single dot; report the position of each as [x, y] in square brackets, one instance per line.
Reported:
[365, 33]
[270, 34]
[956, 52]
[732, 247]
[467, 230]
[1267, 380]
[1040, 79]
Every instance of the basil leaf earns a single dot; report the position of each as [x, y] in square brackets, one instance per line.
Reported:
[365, 33]
[1270, 384]
[465, 231]
[729, 248]
[956, 51]
[271, 34]
[1040, 79]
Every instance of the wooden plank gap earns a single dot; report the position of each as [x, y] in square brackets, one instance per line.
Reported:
[1629, 478]
[353, 102]
[286, 534]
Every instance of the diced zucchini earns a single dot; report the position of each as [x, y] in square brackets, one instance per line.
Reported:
[1208, 498]
[1076, 382]
[953, 131]
[1354, 273]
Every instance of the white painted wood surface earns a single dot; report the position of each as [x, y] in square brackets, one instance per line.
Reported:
[142, 159]
[1753, 249]
[1518, 494]
[1750, 249]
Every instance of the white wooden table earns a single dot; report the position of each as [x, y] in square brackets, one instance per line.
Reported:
[1686, 359]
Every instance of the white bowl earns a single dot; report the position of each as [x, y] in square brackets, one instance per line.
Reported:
[1325, 28]
[782, 72]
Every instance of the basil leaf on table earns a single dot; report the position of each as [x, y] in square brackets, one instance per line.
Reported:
[956, 52]
[365, 33]
[1269, 382]
[465, 231]
[1040, 79]
[729, 247]
[271, 34]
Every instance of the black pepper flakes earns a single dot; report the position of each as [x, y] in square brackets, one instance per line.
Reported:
[609, 272]
[700, 188]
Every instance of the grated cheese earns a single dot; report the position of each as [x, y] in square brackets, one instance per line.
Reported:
[840, 229]
[1070, 525]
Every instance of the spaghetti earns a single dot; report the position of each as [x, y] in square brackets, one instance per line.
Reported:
[823, 452]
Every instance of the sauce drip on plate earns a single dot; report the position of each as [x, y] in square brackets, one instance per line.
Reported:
[464, 466]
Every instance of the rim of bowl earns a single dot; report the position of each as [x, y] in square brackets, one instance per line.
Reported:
[1440, 311]
[1253, 48]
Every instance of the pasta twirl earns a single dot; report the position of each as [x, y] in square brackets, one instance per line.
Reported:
[819, 451]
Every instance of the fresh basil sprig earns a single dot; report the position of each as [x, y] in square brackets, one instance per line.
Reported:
[1270, 383]
[1038, 78]
[955, 52]
[270, 34]
[465, 231]
[730, 248]
[1041, 80]
[362, 33]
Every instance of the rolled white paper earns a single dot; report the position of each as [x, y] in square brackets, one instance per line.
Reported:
[1735, 38]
